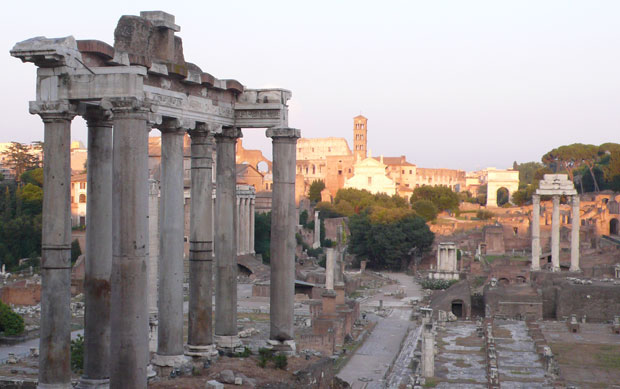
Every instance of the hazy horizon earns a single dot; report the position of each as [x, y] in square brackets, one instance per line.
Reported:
[461, 85]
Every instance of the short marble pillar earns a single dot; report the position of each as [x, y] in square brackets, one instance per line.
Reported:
[200, 330]
[283, 222]
[428, 351]
[555, 234]
[55, 332]
[129, 304]
[98, 250]
[170, 268]
[574, 242]
[535, 233]
[226, 239]
[317, 231]
[330, 262]
[237, 221]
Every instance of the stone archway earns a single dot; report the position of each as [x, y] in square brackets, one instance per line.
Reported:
[496, 179]
[614, 227]
[458, 308]
[503, 281]
[503, 196]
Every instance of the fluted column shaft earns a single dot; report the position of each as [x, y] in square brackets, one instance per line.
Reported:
[129, 306]
[535, 233]
[200, 331]
[252, 227]
[55, 332]
[170, 267]
[282, 287]
[574, 242]
[97, 288]
[226, 233]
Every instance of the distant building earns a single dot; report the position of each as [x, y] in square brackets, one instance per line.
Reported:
[78, 200]
[370, 174]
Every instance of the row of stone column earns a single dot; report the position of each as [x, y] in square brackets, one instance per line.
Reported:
[555, 233]
[117, 274]
[245, 220]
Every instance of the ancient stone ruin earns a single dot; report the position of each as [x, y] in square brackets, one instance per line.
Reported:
[123, 91]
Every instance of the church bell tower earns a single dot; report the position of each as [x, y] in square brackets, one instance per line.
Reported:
[360, 140]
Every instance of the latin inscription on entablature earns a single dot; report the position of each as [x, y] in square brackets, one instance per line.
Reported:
[257, 114]
[167, 100]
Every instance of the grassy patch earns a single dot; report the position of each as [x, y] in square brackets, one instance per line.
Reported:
[430, 383]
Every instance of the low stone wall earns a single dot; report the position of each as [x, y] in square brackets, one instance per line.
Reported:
[21, 293]
[319, 375]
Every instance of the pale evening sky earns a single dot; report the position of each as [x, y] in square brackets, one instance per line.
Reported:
[454, 84]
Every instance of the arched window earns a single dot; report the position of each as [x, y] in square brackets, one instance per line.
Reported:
[82, 198]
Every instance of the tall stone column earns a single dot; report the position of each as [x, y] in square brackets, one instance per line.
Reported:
[282, 288]
[129, 305]
[574, 241]
[317, 231]
[555, 233]
[153, 261]
[246, 225]
[238, 221]
[535, 233]
[98, 249]
[55, 332]
[170, 268]
[226, 239]
[200, 330]
[252, 227]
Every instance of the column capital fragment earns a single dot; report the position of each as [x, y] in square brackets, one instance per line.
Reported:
[228, 133]
[132, 107]
[292, 133]
[54, 111]
[175, 125]
[205, 128]
[97, 115]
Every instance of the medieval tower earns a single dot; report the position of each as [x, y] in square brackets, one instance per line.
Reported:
[360, 142]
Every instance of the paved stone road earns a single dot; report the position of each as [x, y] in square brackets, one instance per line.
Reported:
[373, 359]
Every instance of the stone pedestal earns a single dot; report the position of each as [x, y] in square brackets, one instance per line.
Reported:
[329, 301]
[428, 351]
[226, 238]
[55, 333]
[340, 294]
[129, 305]
[555, 234]
[227, 341]
[98, 251]
[283, 222]
[200, 329]
[574, 241]
[535, 233]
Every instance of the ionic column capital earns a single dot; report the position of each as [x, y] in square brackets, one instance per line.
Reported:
[131, 108]
[202, 129]
[54, 111]
[283, 134]
[97, 115]
[228, 134]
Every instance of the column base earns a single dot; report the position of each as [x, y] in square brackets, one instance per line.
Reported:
[226, 341]
[535, 268]
[575, 270]
[54, 386]
[85, 383]
[150, 372]
[169, 360]
[208, 351]
[555, 269]
[287, 347]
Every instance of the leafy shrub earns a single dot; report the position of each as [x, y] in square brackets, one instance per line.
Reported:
[243, 354]
[264, 356]
[280, 361]
[10, 322]
[484, 214]
[437, 284]
[77, 354]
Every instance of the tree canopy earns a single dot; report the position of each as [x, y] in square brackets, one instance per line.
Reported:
[441, 196]
[388, 245]
[20, 159]
[316, 188]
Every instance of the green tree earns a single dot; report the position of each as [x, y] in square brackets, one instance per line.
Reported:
[425, 209]
[388, 245]
[572, 157]
[316, 188]
[527, 172]
[262, 235]
[34, 177]
[443, 197]
[76, 250]
[20, 159]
